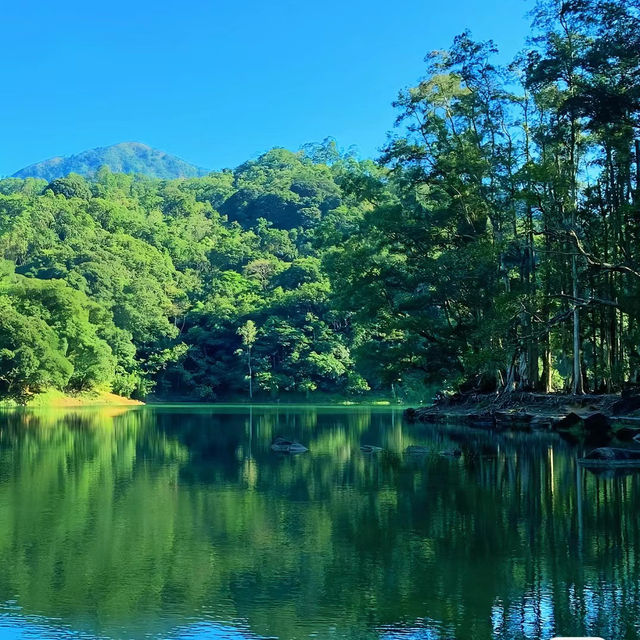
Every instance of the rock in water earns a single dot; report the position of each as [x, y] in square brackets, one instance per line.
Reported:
[518, 420]
[369, 448]
[480, 420]
[282, 445]
[610, 456]
[409, 414]
[456, 453]
[626, 405]
[597, 424]
[627, 434]
[568, 422]
[417, 450]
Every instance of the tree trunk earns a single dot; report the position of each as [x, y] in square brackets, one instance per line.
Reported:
[578, 387]
[637, 148]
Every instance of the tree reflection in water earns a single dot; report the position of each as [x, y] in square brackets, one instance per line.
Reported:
[154, 522]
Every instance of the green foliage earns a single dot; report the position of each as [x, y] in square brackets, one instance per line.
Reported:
[73, 186]
[285, 188]
[50, 338]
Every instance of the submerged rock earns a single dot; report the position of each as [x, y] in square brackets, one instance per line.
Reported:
[418, 450]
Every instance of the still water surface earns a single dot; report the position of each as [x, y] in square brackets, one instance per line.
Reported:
[179, 522]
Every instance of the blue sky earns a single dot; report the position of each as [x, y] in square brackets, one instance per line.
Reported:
[219, 81]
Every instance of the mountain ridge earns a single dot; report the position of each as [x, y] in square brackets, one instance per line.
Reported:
[123, 157]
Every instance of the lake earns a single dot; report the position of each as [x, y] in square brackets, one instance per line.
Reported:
[180, 522]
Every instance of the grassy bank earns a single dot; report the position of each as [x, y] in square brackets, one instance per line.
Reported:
[57, 399]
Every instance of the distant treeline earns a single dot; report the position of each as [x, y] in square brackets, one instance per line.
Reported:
[495, 245]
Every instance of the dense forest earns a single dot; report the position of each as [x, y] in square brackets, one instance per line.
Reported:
[493, 245]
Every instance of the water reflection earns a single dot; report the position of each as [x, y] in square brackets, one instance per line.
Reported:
[182, 523]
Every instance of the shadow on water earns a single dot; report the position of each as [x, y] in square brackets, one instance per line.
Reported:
[177, 522]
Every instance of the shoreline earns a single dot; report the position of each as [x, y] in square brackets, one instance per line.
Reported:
[55, 399]
[593, 418]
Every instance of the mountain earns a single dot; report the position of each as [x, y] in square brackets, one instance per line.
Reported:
[126, 157]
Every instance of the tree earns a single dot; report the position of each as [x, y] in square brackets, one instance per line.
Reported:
[73, 186]
[248, 333]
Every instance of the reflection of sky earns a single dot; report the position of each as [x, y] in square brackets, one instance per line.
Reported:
[531, 617]
[16, 628]
[599, 611]
[204, 630]
[13, 627]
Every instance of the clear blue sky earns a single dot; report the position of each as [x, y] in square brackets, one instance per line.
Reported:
[219, 81]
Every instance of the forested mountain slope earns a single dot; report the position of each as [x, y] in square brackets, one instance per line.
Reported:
[126, 157]
[495, 245]
[137, 283]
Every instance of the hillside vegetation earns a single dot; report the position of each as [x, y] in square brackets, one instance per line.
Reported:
[494, 246]
[126, 157]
